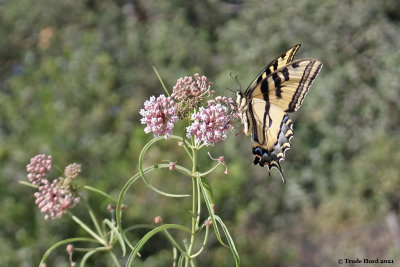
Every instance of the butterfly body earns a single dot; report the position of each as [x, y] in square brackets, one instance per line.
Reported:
[278, 89]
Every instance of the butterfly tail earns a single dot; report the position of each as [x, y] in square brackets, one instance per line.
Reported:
[278, 166]
[270, 165]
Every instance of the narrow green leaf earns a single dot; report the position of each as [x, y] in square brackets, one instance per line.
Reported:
[180, 261]
[98, 191]
[145, 238]
[161, 81]
[118, 235]
[210, 211]
[88, 230]
[208, 189]
[114, 258]
[89, 254]
[230, 240]
[65, 242]
[28, 184]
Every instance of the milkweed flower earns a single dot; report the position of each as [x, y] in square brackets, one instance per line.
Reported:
[53, 199]
[210, 124]
[38, 167]
[189, 87]
[159, 114]
[189, 92]
[72, 170]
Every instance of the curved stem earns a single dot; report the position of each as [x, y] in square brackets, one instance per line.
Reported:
[209, 171]
[145, 148]
[203, 245]
[65, 242]
[149, 226]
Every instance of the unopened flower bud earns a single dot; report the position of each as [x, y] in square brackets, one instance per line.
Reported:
[70, 248]
[157, 220]
[110, 207]
[171, 166]
[70, 251]
[180, 143]
[208, 223]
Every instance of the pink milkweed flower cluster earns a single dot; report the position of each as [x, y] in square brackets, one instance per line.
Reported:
[37, 169]
[72, 170]
[159, 114]
[187, 87]
[53, 198]
[209, 124]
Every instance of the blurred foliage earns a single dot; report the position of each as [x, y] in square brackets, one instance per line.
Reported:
[74, 74]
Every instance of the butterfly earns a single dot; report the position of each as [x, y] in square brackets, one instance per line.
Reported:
[278, 89]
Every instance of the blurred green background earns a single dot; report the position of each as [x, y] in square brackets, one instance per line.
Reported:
[74, 75]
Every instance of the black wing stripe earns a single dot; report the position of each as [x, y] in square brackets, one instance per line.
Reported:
[253, 119]
[310, 81]
[285, 74]
[299, 89]
[266, 114]
[264, 89]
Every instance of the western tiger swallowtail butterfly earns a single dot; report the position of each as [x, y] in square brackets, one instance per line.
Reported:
[278, 89]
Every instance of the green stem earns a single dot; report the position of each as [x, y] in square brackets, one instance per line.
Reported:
[142, 153]
[195, 205]
[209, 171]
[203, 245]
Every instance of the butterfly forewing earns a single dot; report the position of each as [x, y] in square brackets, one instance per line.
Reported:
[276, 64]
[287, 87]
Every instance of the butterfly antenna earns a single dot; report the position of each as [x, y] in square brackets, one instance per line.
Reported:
[235, 78]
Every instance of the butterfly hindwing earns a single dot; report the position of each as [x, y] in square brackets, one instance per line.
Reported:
[287, 86]
[272, 130]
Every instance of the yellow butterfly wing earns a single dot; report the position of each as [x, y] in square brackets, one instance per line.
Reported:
[287, 86]
[279, 88]
[275, 64]
[272, 130]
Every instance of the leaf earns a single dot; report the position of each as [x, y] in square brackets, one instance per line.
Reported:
[161, 81]
[65, 242]
[230, 240]
[180, 261]
[208, 189]
[118, 235]
[145, 238]
[89, 254]
[210, 211]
